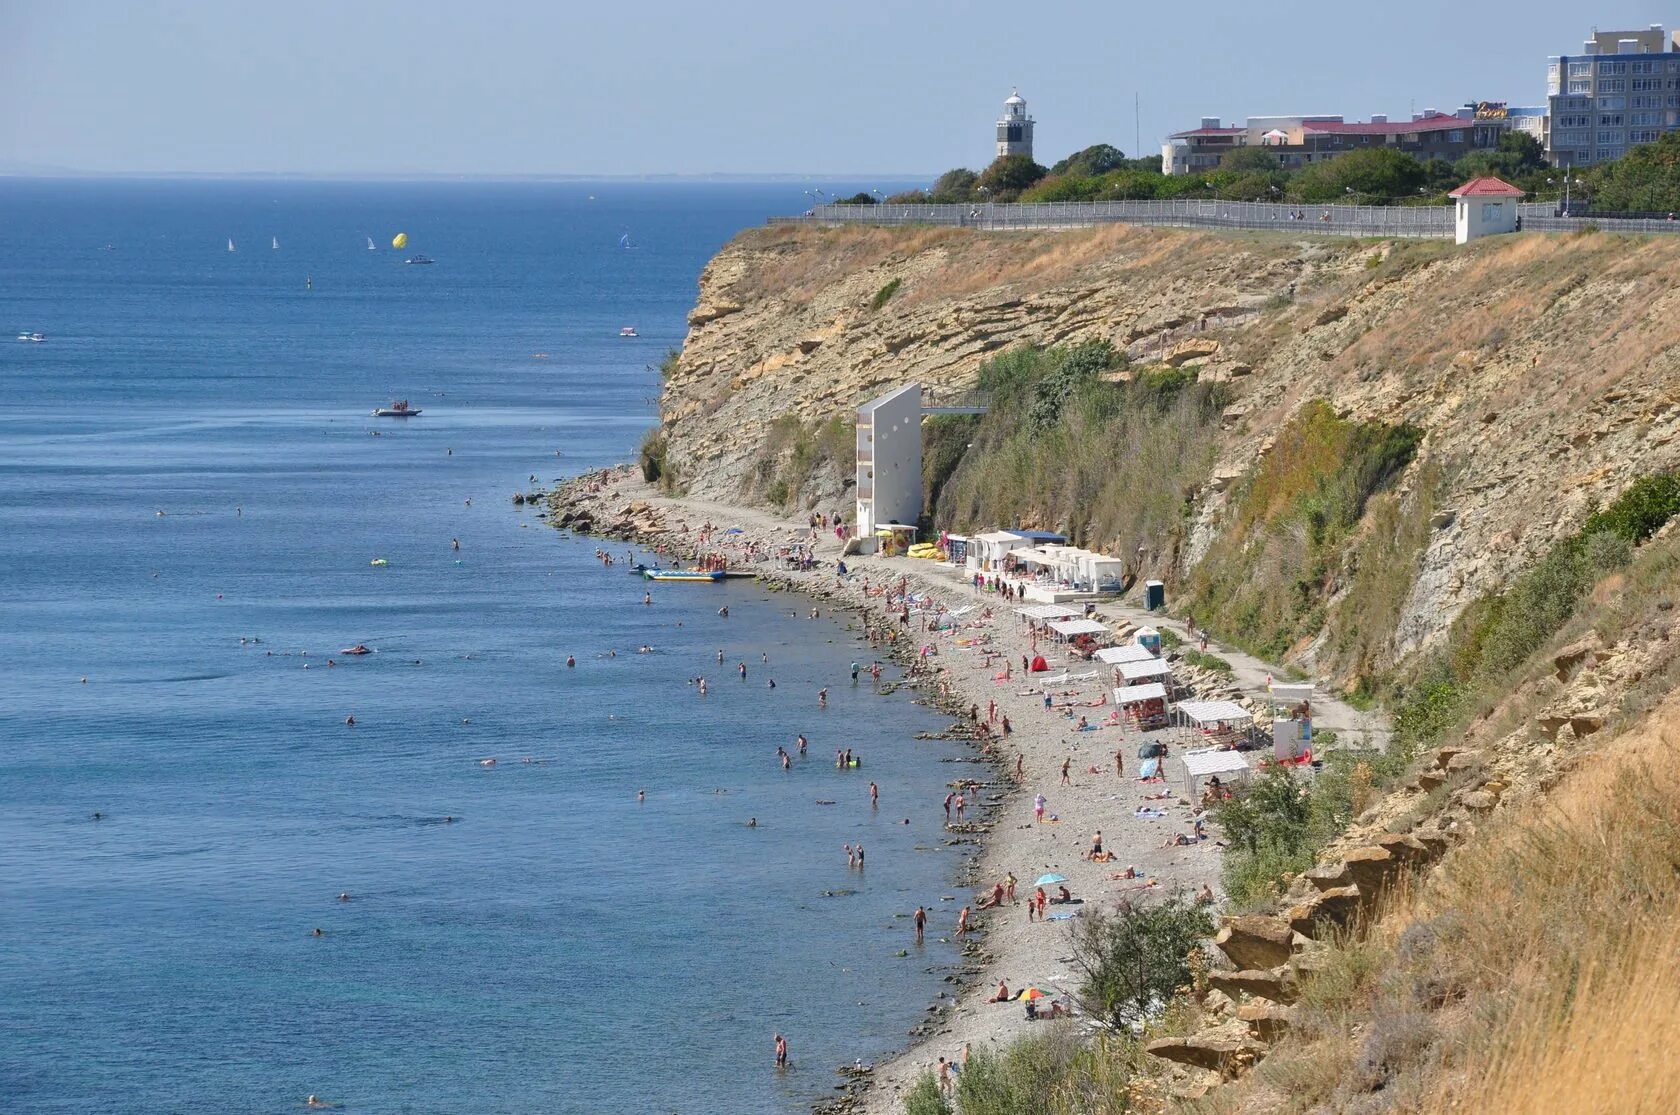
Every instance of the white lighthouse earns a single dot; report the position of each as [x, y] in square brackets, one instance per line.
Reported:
[1014, 128]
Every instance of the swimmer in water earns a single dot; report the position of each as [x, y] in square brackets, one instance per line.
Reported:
[344, 896]
[455, 543]
[752, 824]
[350, 720]
[570, 661]
[641, 795]
[316, 932]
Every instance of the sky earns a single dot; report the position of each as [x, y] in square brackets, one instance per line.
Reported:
[556, 87]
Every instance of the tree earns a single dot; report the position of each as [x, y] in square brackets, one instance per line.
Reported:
[1092, 162]
[1008, 176]
[954, 187]
[1517, 156]
[1371, 174]
[1249, 158]
[862, 197]
[1134, 961]
[1645, 180]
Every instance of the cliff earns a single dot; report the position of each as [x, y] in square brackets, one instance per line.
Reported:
[1540, 370]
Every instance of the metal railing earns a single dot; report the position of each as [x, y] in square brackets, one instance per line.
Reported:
[1331, 220]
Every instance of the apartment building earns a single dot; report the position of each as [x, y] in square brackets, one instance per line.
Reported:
[1622, 90]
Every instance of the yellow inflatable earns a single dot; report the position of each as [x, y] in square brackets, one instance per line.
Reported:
[400, 241]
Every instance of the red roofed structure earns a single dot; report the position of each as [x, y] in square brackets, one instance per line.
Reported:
[1487, 187]
[1485, 207]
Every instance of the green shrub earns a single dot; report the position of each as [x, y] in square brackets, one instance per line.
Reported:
[924, 1097]
[1638, 513]
[1207, 661]
[884, 295]
[1134, 960]
[651, 456]
[667, 365]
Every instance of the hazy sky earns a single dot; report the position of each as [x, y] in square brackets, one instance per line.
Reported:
[738, 86]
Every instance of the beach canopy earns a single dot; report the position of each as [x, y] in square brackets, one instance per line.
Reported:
[1072, 627]
[1205, 763]
[1206, 713]
[1140, 671]
[1048, 611]
[1049, 880]
[1001, 536]
[1133, 694]
[1130, 652]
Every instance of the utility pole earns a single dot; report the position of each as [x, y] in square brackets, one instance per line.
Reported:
[1137, 128]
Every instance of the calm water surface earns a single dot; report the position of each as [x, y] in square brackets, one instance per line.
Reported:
[559, 946]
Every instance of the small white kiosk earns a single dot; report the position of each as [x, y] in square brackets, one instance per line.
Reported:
[1485, 207]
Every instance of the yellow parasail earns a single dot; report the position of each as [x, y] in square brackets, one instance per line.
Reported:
[400, 240]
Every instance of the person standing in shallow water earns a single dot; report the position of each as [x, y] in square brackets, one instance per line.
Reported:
[781, 1052]
[921, 923]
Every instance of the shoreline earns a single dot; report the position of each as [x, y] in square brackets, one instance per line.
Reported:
[1003, 943]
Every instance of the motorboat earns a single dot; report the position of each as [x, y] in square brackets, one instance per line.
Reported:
[379, 562]
[398, 409]
[34, 338]
[686, 575]
[419, 259]
[358, 649]
[627, 331]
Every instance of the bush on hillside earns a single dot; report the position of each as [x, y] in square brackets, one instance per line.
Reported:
[1007, 177]
[1134, 960]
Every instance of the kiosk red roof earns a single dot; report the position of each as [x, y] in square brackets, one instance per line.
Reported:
[1487, 187]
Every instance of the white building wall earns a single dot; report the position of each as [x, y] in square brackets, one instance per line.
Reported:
[889, 476]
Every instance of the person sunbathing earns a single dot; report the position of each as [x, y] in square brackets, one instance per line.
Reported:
[1001, 995]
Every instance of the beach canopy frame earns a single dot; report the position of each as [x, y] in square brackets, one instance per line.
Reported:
[1209, 762]
[1068, 628]
[1126, 652]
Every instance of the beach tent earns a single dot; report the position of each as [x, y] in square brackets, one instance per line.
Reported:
[988, 549]
[1127, 652]
[1218, 720]
[1147, 703]
[1039, 665]
[1209, 762]
[1142, 671]
[1136, 694]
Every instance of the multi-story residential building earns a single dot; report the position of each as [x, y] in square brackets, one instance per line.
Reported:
[1622, 90]
[1301, 140]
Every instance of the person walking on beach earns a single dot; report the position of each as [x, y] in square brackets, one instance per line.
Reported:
[781, 1052]
[921, 923]
[1119, 764]
[1007, 727]
[1066, 765]
[1009, 887]
[962, 922]
[1038, 808]
[1021, 767]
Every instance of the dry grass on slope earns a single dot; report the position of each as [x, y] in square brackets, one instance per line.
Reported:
[1534, 972]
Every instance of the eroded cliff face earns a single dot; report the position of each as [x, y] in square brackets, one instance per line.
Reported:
[1541, 368]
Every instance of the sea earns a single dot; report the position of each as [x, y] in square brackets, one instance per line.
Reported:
[198, 514]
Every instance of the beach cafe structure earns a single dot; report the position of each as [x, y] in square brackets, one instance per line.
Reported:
[1051, 570]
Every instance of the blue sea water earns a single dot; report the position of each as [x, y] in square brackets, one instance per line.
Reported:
[189, 461]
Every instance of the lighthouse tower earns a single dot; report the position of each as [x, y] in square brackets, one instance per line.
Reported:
[1014, 128]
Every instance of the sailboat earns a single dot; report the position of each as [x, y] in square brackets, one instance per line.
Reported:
[275, 242]
[230, 243]
[624, 243]
[372, 247]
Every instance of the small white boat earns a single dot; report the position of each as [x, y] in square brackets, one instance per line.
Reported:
[34, 338]
[627, 331]
[274, 242]
[230, 243]
[398, 409]
[372, 247]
